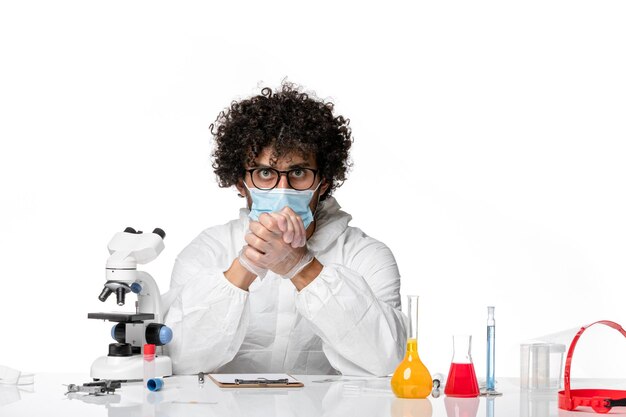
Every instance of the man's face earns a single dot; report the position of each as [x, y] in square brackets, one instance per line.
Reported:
[284, 163]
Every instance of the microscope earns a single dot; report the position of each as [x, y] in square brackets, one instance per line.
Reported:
[125, 359]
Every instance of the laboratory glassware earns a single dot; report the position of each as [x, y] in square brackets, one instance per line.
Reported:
[461, 381]
[411, 378]
[491, 350]
[541, 366]
[148, 363]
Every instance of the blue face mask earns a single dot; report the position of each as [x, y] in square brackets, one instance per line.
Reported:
[269, 201]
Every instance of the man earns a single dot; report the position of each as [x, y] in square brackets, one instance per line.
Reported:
[289, 286]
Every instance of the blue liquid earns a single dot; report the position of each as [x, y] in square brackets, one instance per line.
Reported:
[491, 358]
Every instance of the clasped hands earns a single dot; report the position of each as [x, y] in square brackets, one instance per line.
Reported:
[276, 242]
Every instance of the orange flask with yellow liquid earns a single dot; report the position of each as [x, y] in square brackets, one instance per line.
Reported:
[411, 378]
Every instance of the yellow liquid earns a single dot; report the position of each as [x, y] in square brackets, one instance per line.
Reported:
[411, 379]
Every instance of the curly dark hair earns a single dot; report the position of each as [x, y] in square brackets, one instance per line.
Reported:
[289, 121]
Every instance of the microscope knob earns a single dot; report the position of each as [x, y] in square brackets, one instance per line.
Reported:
[120, 349]
[159, 232]
[135, 287]
[118, 332]
[166, 335]
[158, 334]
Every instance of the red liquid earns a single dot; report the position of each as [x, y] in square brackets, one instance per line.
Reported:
[462, 381]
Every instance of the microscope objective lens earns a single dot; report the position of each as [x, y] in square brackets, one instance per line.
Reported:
[121, 295]
[104, 294]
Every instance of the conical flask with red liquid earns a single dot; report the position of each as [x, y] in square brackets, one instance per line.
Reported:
[461, 380]
[411, 378]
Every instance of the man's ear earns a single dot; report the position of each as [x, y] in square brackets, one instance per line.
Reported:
[240, 187]
[324, 187]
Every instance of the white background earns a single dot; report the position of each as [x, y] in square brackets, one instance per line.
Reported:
[489, 155]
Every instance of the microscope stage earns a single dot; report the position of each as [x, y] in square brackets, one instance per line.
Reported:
[122, 317]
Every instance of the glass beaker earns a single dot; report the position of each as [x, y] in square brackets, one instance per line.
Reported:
[411, 378]
[461, 380]
[541, 366]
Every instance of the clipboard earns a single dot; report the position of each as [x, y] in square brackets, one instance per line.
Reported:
[255, 381]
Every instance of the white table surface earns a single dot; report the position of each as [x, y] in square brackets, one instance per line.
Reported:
[345, 396]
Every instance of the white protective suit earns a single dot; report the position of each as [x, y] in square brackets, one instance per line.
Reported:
[347, 320]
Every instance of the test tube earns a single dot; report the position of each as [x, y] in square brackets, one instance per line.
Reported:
[149, 369]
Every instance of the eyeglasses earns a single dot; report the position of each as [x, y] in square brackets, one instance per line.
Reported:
[268, 178]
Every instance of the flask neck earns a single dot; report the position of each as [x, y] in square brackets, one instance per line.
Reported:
[411, 309]
[411, 351]
[411, 345]
[462, 349]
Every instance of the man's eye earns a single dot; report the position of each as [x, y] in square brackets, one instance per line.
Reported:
[265, 173]
[297, 173]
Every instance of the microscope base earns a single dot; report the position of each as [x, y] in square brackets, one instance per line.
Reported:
[128, 367]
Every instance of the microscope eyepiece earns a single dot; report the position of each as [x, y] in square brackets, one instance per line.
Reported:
[159, 232]
[121, 296]
[130, 230]
[105, 294]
